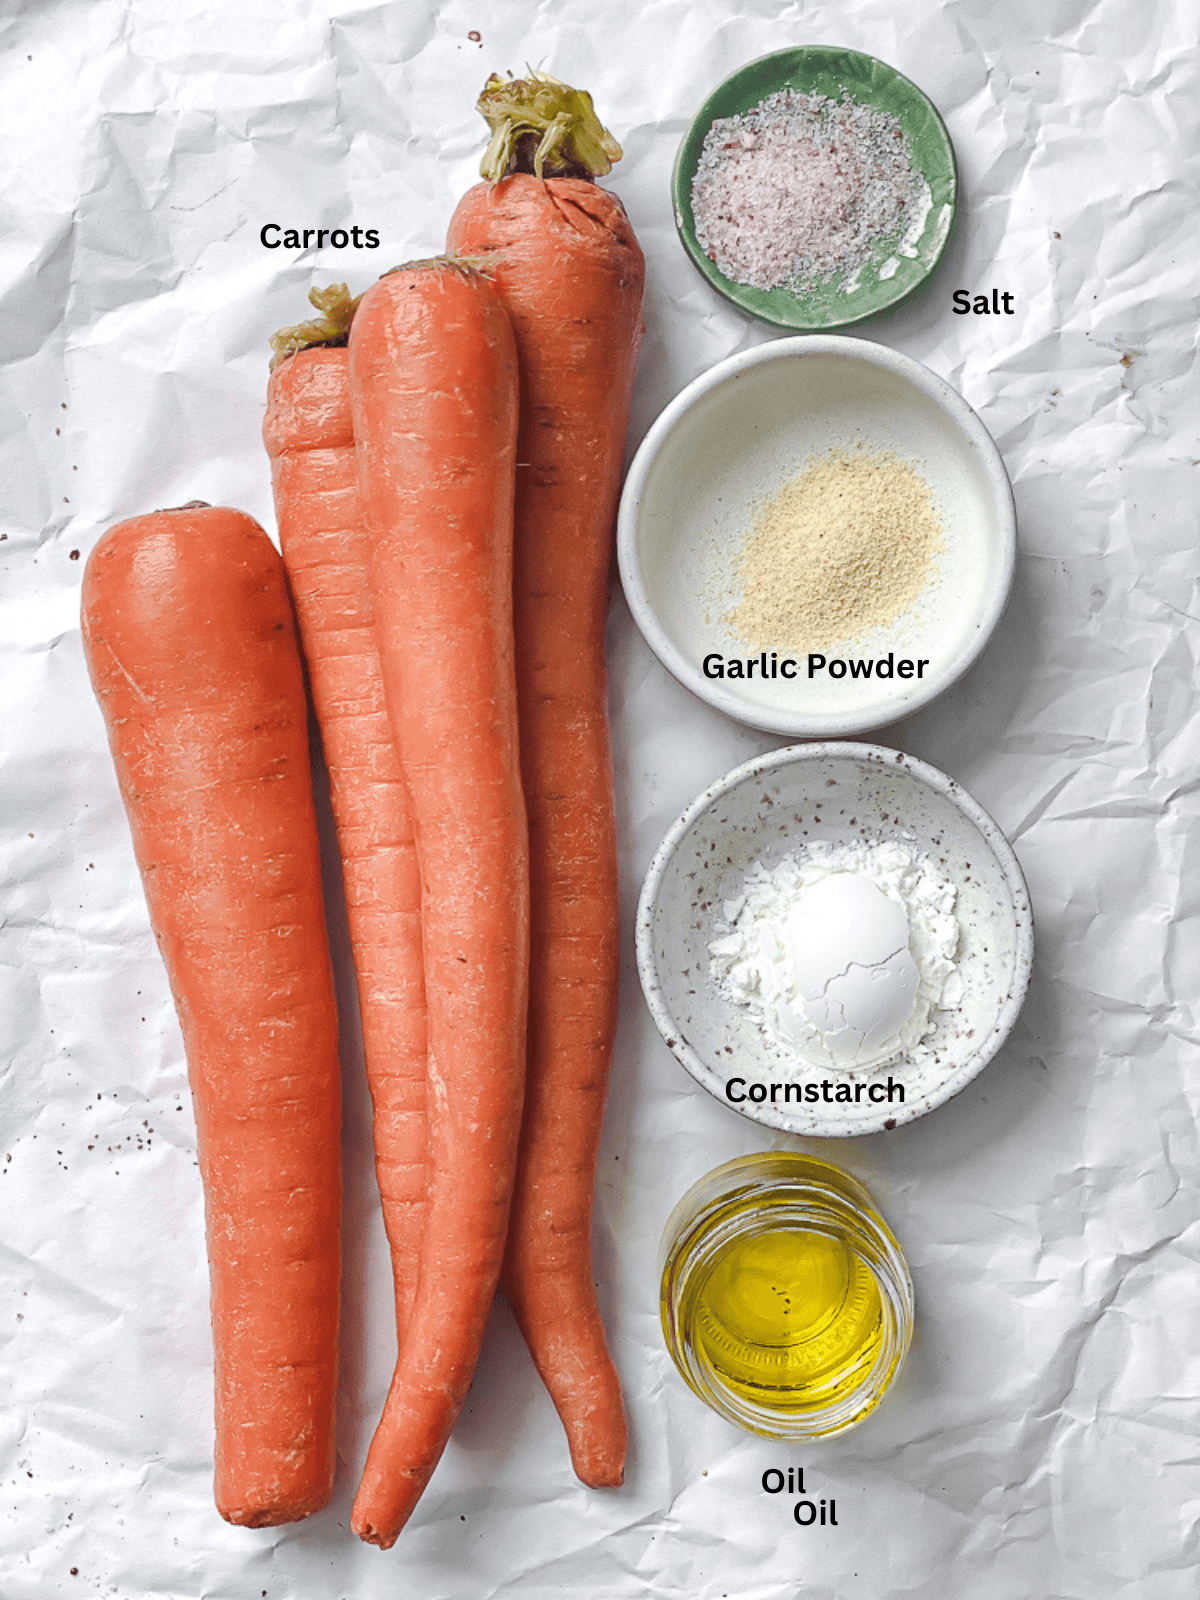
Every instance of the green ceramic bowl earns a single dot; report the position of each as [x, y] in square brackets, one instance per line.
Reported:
[887, 278]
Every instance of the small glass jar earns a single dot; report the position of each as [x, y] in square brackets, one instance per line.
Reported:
[786, 1302]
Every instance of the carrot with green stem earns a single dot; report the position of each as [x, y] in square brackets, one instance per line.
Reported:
[309, 435]
[433, 387]
[571, 276]
[190, 643]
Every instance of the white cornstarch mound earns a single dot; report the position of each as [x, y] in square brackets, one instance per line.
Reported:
[843, 954]
[802, 188]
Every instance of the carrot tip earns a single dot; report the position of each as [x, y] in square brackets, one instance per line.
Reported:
[600, 1474]
[369, 1534]
[274, 1516]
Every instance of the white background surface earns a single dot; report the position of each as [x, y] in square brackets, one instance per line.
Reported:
[1043, 1439]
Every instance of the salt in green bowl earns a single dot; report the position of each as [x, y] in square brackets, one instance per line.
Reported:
[888, 277]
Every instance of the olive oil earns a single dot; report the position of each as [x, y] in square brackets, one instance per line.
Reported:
[793, 1318]
[786, 1302]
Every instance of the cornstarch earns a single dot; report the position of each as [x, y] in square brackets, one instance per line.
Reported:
[812, 979]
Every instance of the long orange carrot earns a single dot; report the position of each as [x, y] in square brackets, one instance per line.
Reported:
[433, 383]
[192, 652]
[571, 275]
[309, 437]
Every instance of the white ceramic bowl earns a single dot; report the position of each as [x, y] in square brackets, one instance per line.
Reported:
[732, 439]
[771, 807]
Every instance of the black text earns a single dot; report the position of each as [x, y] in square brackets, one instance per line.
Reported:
[275, 236]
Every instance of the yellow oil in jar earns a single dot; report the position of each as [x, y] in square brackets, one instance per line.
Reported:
[789, 1319]
[785, 1300]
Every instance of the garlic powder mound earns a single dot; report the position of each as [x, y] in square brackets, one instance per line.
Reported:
[846, 546]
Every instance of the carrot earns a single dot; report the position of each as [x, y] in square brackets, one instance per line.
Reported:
[309, 437]
[189, 640]
[571, 275]
[433, 377]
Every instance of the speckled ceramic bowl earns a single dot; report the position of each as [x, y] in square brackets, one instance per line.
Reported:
[772, 807]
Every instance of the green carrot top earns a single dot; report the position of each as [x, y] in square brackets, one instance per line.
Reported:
[332, 327]
[543, 126]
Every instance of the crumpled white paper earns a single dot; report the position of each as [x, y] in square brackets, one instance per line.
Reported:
[1043, 1438]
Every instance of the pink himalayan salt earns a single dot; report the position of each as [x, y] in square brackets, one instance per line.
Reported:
[800, 189]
